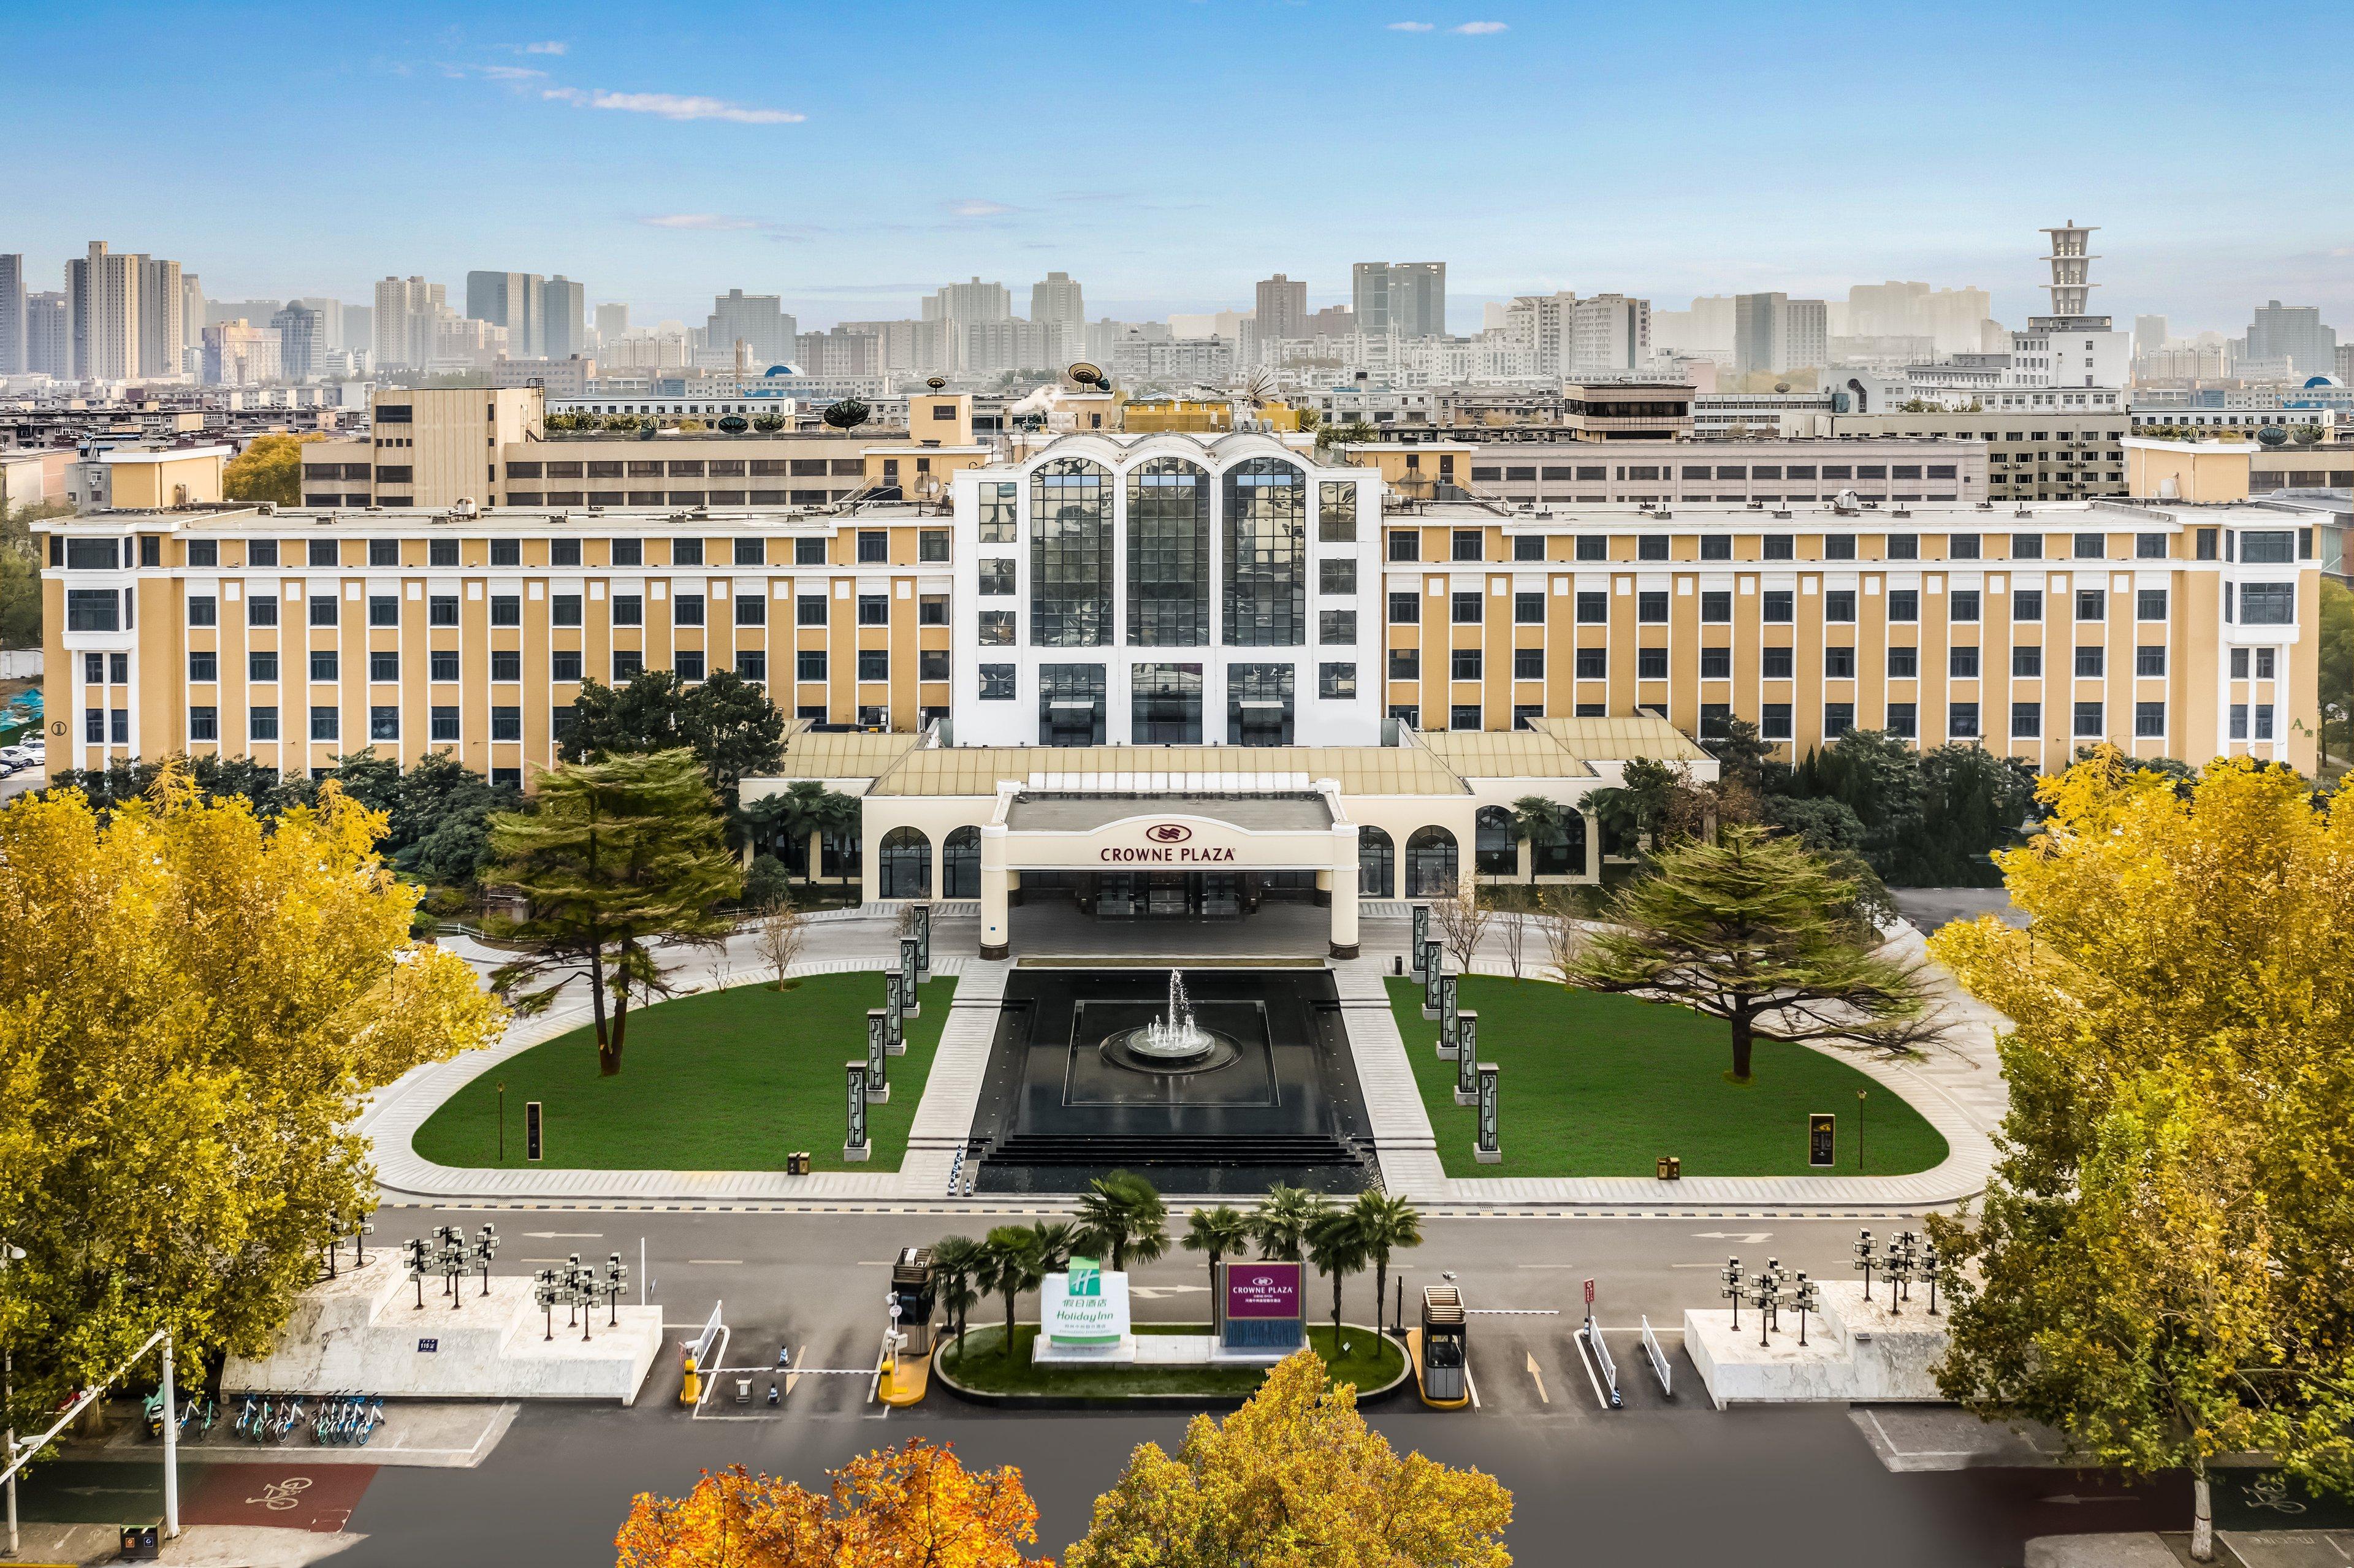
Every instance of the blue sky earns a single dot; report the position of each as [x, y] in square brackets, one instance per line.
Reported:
[853, 156]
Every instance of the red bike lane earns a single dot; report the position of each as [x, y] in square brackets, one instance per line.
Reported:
[287, 1494]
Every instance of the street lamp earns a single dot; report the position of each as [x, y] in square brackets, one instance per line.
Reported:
[413, 1260]
[1731, 1278]
[1863, 1260]
[1806, 1296]
[1929, 1272]
[486, 1245]
[1761, 1296]
[617, 1281]
[544, 1291]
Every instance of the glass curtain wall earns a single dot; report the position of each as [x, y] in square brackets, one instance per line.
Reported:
[1070, 704]
[1259, 700]
[1165, 705]
[1168, 555]
[1266, 555]
[1070, 555]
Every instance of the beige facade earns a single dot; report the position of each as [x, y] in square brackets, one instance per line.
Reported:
[2057, 454]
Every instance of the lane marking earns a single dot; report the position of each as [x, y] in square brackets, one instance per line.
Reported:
[1471, 1383]
[713, 1262]
[1538, 1378]
[564, 1236]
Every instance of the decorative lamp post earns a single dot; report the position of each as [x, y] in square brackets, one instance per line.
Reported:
[1449, 1012]
[912, 1005]
[923, 944]
[1761, 1296]
[895, 1012]
[413, 1259]
[1466, 1062]
[359, 1243]
[1421, 941]
[1489, 1149]
[486, 1247]
[1807, 1297]
[1863, 1260]
[1433, 969]
[1780, 1277]
[878, 1048]
[617, 1281]
[543, 1292]
[854, 1147]
[1929, 1272]
[1731, 1288]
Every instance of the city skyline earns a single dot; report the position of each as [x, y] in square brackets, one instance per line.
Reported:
[674, 163]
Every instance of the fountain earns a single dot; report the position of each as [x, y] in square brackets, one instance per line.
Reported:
[1173, 1043]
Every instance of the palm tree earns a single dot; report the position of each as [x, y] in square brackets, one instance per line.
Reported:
[1216, 1231]
[1539, 821]
[1385, 1223]
[1010, 1266]
[1284, 1220]
[1122, 1215]
[1336, 1245]
[957, 1263]
[1053, 1245]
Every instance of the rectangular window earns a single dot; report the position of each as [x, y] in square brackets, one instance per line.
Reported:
[2091, 604]
[2263, 721]
[1839, 605]
[1336, 626]
[1528, 547]
[753, 552]
[2149, 719]
[383, 609]
[1780, 547]
[751, 610]
[629, 663]
[1651, 547]
[2026, 721]
[1405, 664]
[1406, 607]
[506, 610]
[1406, 544]
[1001, 523]
[688, 663]
[441, 610]
[2267, 604]
[564, 552]
[1904, 604]
[1650, 663]
[687, 552]
[997, 680]
[1337, 574]
[1779, 606]
[1838, 718]
[1528, 663]
[204, 722]
[1839, 663]
[1962, 721]
[325, 723]
[1904, 547]
[873, 547]
[873, 663]
[262, 724]
[810, 610]
[564, 664]
[1528, 608]
[204, 552]
[808, 665]
[258, 553]
[2092, 663]
[2026, 546]
[1904, 719]
[997, 576]
[1962, 546]
[506, 723]
[932, 610]
[1593, 663]
[1716, 546]
[1962, 663]
[1336, 511]
[1463, 664]
[1336, 683]
[1716, 607]
[629, 610]
[2239, 721]
[2027, 663]
[441, 724]
[808, 551]
[1464, 715]
[2027, 604]
[1774, 664]
[2090, 546]
[1467, 608]
[203, 609]
[873, 610]
[1774, 721]
[1839, 547]
[931, 665]
[506, 552]
[2088, 720]
[506, 664]
[1593, 547]
[1651, 607]
[994, 627]
[1593, 608]
[259, 611]
[1469, 545]
[204, 666]
[2150, 604]
[751, 664]
[2149, 546]
[2270, 548]
[261, 665]
[1963, 604]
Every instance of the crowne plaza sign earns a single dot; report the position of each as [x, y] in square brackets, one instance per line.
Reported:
[1166, 843]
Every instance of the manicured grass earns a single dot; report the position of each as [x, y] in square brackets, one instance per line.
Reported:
[728, 1080]
[1372, 1362]
[1602, 1086]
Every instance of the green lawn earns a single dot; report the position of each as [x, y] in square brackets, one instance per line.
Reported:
[729, 1080]
[1372, 1362]
[1602, 1086]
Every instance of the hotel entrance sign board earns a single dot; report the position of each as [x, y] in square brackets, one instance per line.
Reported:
[1262, 1305]
[1085, 1306]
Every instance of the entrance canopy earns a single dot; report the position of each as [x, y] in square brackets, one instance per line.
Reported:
[1294, 831]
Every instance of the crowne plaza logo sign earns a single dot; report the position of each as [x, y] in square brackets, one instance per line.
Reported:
[1166, 843]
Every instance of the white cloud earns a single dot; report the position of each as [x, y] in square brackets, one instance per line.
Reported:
[703, 220]
[1477, 29]
[978, 208]
[552, 47]
[1409, 26]
[673, 106]
[509, 73]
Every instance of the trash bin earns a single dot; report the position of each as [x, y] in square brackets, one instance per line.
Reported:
[1671, 1168]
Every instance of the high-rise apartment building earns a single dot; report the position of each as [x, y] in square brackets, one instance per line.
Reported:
[563, 318]
[407, 312]
[192, 320]
[510, 300]
[241, 354]
[302, 331]
[49, 334]
[2149, 334]
[969, 301]
[612, 322]
[103, 302]
[2294, 333]
[1608, 332]
[1774, 333]
[1404, 299]
[12, 314]
[757, 320]
[1282, 308]
[1058, 305]
[163, 322]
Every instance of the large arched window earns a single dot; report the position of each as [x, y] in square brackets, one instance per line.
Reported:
[1168, 555]
[907, 864]
[1563, 854]
[1376, 864]
[1266, 555]
[1430, 870]
[960, 864]
[1070, 555]
[1497, 852]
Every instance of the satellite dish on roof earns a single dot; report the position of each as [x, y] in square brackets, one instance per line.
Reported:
[2273, 436]
[935, 382]
[1781, 386]
[1083, 374]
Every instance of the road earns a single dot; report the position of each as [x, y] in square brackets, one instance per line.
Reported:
[1660, 1482]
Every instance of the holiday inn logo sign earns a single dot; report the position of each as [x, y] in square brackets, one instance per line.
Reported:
[1085, 1306]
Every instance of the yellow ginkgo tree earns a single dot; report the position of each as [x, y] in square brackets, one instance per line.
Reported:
[193, 1003]
[2163, 1263]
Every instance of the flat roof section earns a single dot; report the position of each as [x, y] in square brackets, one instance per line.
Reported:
[1622, 739]
[842, 754]
[1506, 754]
[1358, 770]
[1252, 813]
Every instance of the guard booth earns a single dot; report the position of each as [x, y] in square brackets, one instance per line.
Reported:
[914, 1287]
[1442, 1348]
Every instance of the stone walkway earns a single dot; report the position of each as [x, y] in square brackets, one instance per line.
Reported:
[1960, 1091]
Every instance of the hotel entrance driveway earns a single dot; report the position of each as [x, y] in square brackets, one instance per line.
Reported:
[1050, 924]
